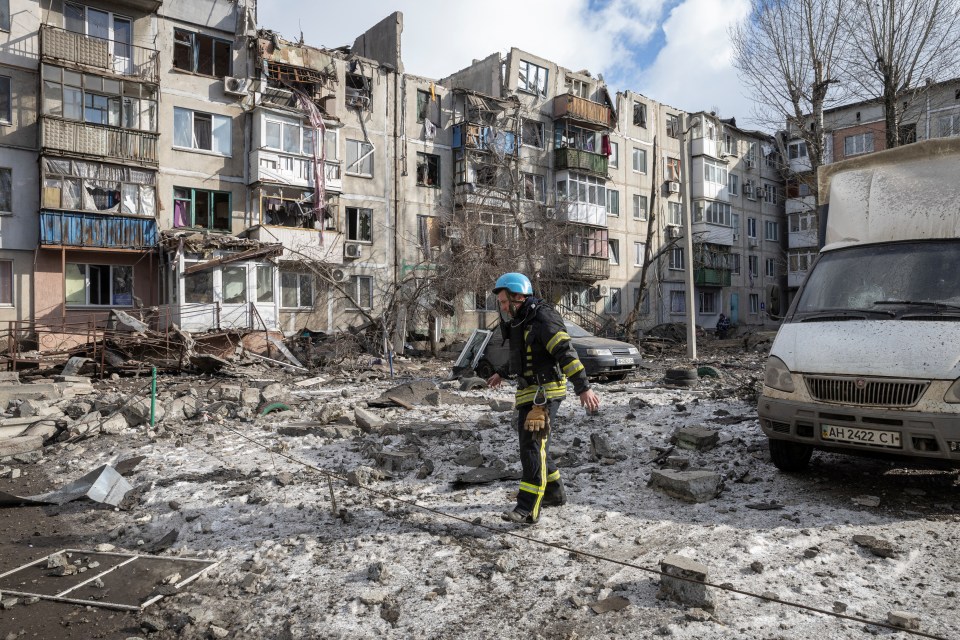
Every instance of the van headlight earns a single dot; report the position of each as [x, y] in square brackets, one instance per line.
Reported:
[778, 376]
[598, 352]
[953, 393]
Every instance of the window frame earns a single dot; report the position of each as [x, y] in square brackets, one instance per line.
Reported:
[539, 139]
[733, 184]
[771, 230]
[6, 96]
[87, 288]
[702, 307]
[7, 283]
[639, 114]
[301, 279]
[195, 39]
[639, 250]
[613, 251]
[859, 144]
[428, 168]
[354, 227]
[355, 284]
[613, 301]
[214, 118]
[752, 228]
[211, 208]
[613, 203]
[613, 160]
[637, 152]
[678, 301]
[754, 302]
[770, 267]
[675, 259]
[523, 75]
[359, 166]
[641, 213]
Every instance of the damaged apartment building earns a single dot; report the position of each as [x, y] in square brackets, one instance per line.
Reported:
[173, 158]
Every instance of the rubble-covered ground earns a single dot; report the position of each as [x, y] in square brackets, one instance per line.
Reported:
[413, 548]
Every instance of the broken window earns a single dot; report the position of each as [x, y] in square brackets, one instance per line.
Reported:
[359, 224]
[533, 187]
[673, 126]
[286, 212]
[88, 186]
[428, 170]
[200, 208]
[5, 115]
[360, 158]
[578, 88]
[6, 190]
[198, 287]
[532, 78]
[423, 103]
[357, 91]
[487, 175]
[5, 15]
[673, 168]
[531, 133]
[234, 281]
[199, 53]
[204, 131]
[640, 114]
[296, 290]
[99, 284]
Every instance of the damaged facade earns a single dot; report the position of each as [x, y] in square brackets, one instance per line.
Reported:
[225, 178]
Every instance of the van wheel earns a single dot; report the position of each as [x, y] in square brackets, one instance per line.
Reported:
[790, 456]
[484, 369]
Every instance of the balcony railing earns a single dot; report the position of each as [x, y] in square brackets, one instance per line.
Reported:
[486, 138]
[708, 277]
[87, 139]
[73, 229]
[111, 56]
[583, 110]
[579, 268]
[579, 160]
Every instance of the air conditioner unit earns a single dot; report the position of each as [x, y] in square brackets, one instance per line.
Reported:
[236, 86]
[351, 250]
[673, 186]
[338, 275]
[674, 231]
[753, 243]
[750, 163]
[453, 233]
[604, 290]
[550, 213]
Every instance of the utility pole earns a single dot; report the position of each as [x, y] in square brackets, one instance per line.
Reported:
[686, 174]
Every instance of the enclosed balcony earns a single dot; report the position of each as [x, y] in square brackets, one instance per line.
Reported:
[483, 138]
[94, 230]
[271, 166]
[581, 161]
[100, 141]
[113, 57]
[586, 112]
[711, 277]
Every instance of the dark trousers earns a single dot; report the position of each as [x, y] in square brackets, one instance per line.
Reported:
[540, 475]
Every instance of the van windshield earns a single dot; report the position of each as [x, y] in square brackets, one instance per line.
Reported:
[884, 280]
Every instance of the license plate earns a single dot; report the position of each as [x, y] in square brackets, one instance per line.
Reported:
[622, 361]
[860, 436]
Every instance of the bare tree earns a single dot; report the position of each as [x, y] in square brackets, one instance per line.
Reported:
[896, 46]
[630, 322]
[788, 52]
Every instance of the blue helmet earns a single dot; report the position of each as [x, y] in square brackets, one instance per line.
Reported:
[514, 283]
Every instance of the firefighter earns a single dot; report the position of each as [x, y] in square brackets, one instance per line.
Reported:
[542, 358]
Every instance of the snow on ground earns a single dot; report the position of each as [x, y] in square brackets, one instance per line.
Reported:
[380, 567]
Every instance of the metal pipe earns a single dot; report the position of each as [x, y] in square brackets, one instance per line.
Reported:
[688, 242]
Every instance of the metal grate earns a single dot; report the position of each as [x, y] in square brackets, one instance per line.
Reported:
[866, 391]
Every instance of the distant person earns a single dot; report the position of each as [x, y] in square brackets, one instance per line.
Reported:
[543, 358]
[723, 326]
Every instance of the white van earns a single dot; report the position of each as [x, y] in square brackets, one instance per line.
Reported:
[868, 357]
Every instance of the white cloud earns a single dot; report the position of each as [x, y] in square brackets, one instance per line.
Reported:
[692, 71]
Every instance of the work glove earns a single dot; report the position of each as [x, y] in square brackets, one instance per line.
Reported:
[538, 420]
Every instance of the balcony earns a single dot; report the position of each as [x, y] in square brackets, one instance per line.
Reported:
[475, 136]
[270, 166]
[299, 243]
[110, 56]
[101, 141]
[579, 268]
[95, 230]
[587, 112]
[795, 278]
[579, 160]
[709, 277]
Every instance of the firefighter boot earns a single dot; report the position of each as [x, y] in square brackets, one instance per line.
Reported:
[554, 496]
[520, 516]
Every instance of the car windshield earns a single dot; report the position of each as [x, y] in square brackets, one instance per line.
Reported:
[576, 331]
[883, 277]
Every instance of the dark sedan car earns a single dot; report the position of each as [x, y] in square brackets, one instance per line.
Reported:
[601, 357]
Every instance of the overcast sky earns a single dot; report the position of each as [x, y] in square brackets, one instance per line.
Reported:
[674, 51]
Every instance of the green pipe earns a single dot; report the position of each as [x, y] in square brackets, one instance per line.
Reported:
[153, 398]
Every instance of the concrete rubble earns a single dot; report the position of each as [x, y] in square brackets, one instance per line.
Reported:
[672, 477]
